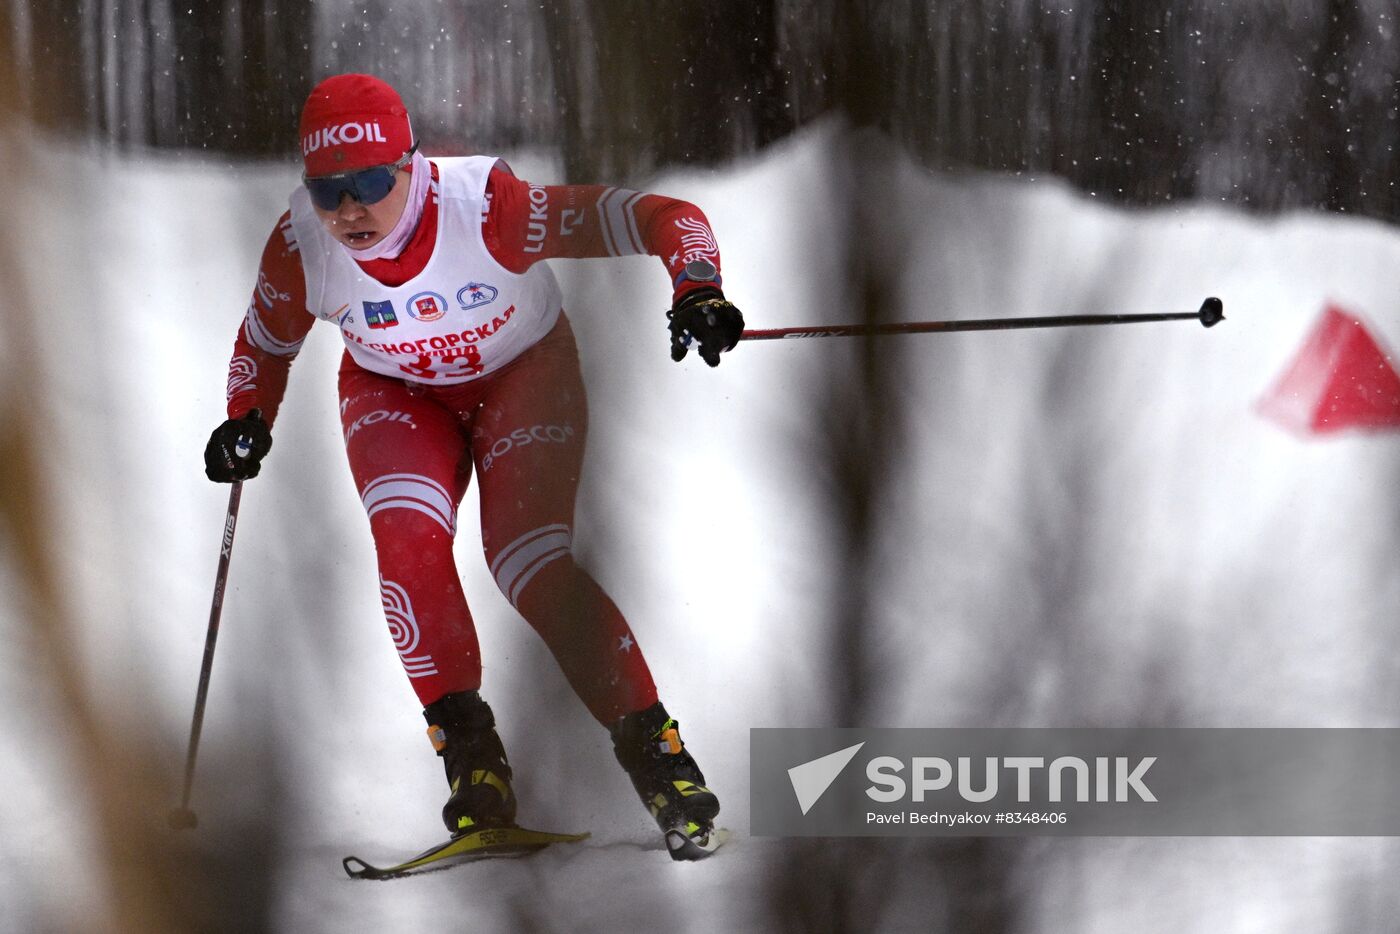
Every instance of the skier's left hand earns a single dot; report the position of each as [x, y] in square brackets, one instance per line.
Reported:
[706, 317]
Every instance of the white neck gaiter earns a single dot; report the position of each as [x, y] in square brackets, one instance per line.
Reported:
[392, 245]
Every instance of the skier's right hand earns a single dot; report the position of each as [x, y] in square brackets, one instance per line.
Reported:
[236, 448]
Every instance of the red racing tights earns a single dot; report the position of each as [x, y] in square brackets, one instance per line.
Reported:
[412, 448]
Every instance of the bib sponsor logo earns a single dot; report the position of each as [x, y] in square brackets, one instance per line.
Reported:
[439, 344]
[342, 134]
[451, 354]
[380, 315]
[427, 306]
[476, 294]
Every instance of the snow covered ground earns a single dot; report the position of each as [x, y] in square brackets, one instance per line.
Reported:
[1087, 527]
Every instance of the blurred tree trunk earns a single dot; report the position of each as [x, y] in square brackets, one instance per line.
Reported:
[850, 887]
[56, 90]
[113, 824]
[201, 74]
[1335, 146]
[642, 86]
[118, 782]
[242, 71]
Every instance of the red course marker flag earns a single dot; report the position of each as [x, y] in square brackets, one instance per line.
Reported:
[1340, 378]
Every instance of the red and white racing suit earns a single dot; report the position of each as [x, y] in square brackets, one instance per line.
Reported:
[459, 358]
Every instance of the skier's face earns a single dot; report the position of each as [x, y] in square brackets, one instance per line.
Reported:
[363, 225]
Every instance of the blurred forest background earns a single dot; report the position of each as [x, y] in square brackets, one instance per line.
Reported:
[1264, 105]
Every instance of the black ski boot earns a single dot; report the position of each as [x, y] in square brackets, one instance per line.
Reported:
[648, 746]
[463, 732]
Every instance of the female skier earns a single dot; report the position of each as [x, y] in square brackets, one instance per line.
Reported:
[459, 356]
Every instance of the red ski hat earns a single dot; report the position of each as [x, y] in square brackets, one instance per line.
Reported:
[353, 122]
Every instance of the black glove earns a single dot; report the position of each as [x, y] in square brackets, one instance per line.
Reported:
[236, 448]
[705, 316]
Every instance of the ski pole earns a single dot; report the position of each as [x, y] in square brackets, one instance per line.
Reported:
[1211, 313]
[183, 817]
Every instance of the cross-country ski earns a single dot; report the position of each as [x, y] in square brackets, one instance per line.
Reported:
[492, 843]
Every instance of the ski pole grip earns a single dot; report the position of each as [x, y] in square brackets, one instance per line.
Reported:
[244, 447]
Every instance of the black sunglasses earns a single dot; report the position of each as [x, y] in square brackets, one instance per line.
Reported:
[367, 186]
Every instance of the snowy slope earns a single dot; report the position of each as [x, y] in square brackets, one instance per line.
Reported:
[1087, 527]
